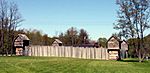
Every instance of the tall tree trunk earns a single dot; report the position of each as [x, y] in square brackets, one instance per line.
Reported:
[2, 39]
[12, 44]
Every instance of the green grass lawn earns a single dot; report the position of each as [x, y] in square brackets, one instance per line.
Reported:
[69, 65]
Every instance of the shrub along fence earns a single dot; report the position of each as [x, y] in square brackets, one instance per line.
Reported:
[63, 51]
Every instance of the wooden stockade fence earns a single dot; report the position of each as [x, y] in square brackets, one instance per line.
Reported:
[63, 51]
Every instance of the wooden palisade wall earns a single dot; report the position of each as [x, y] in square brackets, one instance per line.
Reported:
[74, 52]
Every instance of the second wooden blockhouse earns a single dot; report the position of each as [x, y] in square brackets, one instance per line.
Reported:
[117, 49]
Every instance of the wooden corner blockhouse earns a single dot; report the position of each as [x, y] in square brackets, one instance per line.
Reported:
[117, 49]
[19, 44]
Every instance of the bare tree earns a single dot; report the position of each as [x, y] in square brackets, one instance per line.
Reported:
[9, 18]
[72, 32]
[133, 18]
[3, 11]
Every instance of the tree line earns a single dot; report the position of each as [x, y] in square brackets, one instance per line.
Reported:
[71, 37]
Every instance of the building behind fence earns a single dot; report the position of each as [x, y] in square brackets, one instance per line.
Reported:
[63, 51]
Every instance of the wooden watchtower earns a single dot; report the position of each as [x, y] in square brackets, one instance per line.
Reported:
[117, 49]
[19, 44]
[113, 46]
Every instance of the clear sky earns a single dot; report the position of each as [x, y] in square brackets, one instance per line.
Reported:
[55, 16]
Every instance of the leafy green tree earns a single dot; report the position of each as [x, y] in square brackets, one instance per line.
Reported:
[83, 37]
[45, 39]
[102, 42]
[71, 36]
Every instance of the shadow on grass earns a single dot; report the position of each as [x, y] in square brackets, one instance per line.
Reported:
[132, 60]
[129, 60]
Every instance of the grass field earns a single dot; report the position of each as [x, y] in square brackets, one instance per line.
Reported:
[69, 65]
